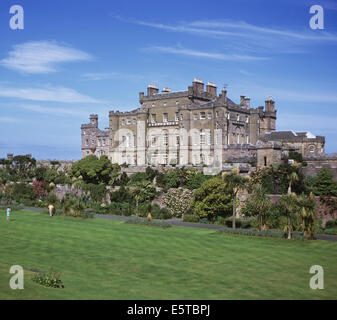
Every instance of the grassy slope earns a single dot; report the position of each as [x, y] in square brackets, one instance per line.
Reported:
[107, 259]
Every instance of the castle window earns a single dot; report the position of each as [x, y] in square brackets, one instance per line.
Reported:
[87, 152]
[177, 116]
[177, 102]
[134, 121]
[209, 137]
[195, 138]
[247, 139]
[83, 132]
[195, 116]
[181, 117]
[92, 141]
[265, 161]
[134, 140]
[165, 139]
[123, 140]
[123, 122]
[86, 142]
[103, 142]
[165, 104]
[202, 115]
[228, 115]
[202, 137]
[312, 149]
[153, 118]
[209, 115]
[247, 120]
[153, 105]
[165, 117]
[128, 121]
[237, 117]
[216, 114]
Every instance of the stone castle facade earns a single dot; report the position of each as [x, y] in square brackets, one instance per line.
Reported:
[194, 127]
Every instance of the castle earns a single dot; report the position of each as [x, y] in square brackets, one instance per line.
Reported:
[194, 127]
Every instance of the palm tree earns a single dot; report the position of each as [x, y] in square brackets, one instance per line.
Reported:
[306, 214]
[288, 204]
[235, 183]
[292, 177]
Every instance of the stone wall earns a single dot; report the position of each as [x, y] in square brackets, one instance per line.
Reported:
[315, 164]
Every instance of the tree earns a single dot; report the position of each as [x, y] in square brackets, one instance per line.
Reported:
[325, 185]
[288, 208]
[93, 170]
[144, 191]
[212, 199]
[292, 177]
[236, 183]
[258, 205]
[22, 167]
[306, 214]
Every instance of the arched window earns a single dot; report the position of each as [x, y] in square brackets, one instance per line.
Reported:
[202, 137]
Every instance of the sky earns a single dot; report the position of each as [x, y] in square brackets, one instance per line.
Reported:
[77, 57]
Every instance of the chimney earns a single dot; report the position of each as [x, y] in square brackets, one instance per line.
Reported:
[242, 100]
[198, 86]
[152, 89]
[166, 90]
[211, 89]
[269, 104]
[10, 156]
[247, 102]
[141, 97]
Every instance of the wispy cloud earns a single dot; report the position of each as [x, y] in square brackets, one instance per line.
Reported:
[9, 120]
[55, 94]
[111, 75]
[41, 57]
[238, 29]
[53, 110]
[204, 54]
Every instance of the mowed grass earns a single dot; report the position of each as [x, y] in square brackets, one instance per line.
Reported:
[108, 259]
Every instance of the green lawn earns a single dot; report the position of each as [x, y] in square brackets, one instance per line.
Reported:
[107, 259]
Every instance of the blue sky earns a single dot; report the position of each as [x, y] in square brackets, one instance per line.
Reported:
[76, 57]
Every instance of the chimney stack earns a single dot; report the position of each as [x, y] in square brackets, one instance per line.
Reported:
[166, 90]
[242, 100]
[152, 89]
[247, 102]
[198, 86]
[211, 89]
[270, 105]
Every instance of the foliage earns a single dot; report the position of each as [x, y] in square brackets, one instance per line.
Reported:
[212, 199]
[138, 177]
[123, 194]
[146, 222]
[51, 279]
[93, 170]
[264, 233]
[258, 205]
[325, 185]
[195, 179]
[307, 214]
[97, 192]
[178, 201]
[145, 190]
[39, 189]
[191, 218]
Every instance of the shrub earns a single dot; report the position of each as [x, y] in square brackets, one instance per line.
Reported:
[165, 213]
[254, 232]
[204, 220]
[331, 224]
[178, 201]
[191, 218]
[51, 279]
[146, 222]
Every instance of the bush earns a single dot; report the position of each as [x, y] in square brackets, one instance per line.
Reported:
[145, 222]
[204, 220]
[331, 224]
[165, 213]
[178, 201]
[51, 279]
[239, 223]
[191, 218]
[266, 233]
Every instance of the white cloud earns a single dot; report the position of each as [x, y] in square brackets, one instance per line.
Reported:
[55, 94]
[110, 75]
[9, 120]
[54, 110]
[41, 56]
[203, 54]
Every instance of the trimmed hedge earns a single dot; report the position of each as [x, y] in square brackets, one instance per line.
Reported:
[145, 222]
[253, 232]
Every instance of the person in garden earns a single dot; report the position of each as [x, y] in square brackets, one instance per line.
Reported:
[8, 213]
[51, 210]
